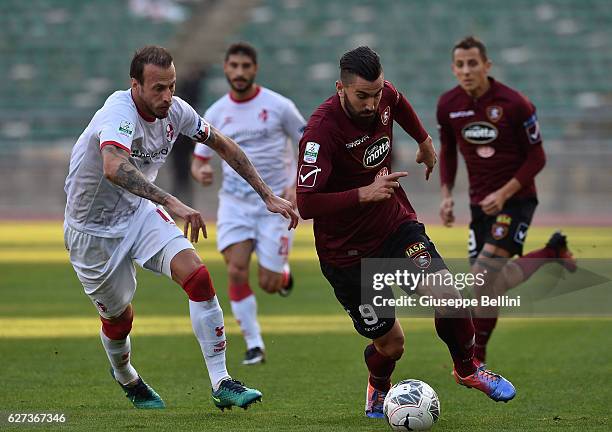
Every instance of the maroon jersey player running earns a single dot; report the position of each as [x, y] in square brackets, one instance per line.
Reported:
[360, 211]
[497, 132]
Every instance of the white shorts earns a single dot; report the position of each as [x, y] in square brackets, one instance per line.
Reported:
[105, 266]
[240, 219]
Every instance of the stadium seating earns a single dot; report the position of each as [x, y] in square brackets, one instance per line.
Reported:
[556, 52]
[62, 58]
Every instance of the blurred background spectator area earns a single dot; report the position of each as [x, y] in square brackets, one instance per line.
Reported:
[62, 58]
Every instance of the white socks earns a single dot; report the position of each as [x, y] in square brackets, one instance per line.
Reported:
[118, 352]
[207, 323]
[245, 312]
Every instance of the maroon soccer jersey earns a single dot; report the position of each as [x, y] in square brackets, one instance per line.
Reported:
[336, 158]
[498, 135]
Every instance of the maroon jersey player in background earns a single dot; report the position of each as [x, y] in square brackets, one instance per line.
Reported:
[360, 211]
[497, 132]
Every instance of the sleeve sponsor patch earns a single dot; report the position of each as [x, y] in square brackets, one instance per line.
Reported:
[311, 152]
[126, 128]
[202, 132]
[532, 129]
[307, 177]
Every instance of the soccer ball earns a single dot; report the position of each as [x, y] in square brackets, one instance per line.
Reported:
[411, 405]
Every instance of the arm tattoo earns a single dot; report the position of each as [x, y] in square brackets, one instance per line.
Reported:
[131, 179]
[235, 157]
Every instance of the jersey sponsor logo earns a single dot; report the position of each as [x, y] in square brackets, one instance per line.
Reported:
[137, 153]
[219, 331]
[485, 151]
[376, 153]
[248, 134]
[383, 172]
[219, 347]
[169, 132]
[521, 233]
[311, 153]
[357, 142]
[494, 113]
[479, 133]
[202, 131]
[415, 248]
[126, 128]
[532, 129]
[308, 175]
[458, 114]
[385, 116]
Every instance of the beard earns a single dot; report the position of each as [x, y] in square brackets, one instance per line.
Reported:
[361, 118]
[245, 84]
[158, 113]
[161, 113]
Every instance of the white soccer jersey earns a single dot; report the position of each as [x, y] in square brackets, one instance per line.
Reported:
[94, 204]
[261, 126]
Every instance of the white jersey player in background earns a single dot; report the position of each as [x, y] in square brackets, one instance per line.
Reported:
[266, 126]
[114, 217]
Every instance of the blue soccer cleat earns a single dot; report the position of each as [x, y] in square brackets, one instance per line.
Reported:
[493, 385]
[141, 394]
[232, 392]
[375, 400]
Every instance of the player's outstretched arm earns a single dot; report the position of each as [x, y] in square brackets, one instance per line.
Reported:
[235, 157]
[119, 170]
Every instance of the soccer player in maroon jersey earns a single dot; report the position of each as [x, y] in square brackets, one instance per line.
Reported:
[497, 132]
[346, 185]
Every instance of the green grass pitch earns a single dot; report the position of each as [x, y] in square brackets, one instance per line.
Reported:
[51, 360]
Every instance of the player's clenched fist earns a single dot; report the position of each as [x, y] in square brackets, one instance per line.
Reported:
[382, 188]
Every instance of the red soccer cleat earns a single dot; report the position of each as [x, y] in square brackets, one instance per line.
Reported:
[493, 385]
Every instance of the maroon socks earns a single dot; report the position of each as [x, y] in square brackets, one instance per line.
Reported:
[380, 367]
[458, 334]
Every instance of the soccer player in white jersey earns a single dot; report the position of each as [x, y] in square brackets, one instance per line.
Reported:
[266, 126]
[114, 217]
